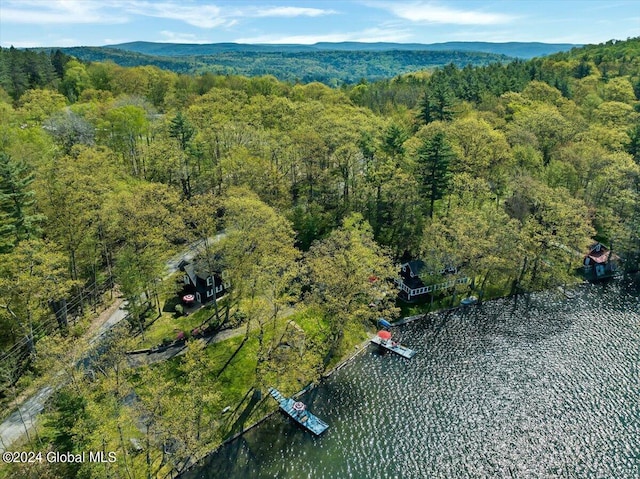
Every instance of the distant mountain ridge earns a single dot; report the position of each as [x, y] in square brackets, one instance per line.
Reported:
[523, 50]
[332, 67]
[330, 63]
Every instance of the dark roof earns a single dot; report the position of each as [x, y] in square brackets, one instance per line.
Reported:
[413, 283]
[417, 266]
[201, 269]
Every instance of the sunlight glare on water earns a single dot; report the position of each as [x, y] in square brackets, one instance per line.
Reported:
[543, 387]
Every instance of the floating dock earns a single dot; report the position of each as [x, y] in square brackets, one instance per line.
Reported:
[393, 347]
[297, 411]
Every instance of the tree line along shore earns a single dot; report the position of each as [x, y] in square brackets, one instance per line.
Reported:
[504, 173]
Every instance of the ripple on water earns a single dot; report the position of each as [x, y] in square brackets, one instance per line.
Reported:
[522, 388]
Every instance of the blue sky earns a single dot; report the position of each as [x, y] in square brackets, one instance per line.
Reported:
[30, 23]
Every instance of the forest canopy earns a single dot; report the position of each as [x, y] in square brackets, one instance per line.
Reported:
[504, 173]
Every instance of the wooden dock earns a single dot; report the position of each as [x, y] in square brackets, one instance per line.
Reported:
[297, 411]
[393, 347]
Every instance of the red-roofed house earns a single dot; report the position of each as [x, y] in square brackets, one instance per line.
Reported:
[600, 262]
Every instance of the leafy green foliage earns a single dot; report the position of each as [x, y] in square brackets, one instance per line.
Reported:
[434, 157]
[320, 191]
[326, 66]
[348, 277]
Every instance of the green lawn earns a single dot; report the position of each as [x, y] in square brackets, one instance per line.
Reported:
[232, 365]
[166, 327]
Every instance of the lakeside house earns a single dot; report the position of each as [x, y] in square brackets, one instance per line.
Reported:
[600, 262]
[202, 283]
[413, 289]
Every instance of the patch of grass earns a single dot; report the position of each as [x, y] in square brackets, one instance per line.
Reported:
[493, 291]
[170, 304]
[240, 374]
[311, 321]
[167, 327]
[203, 314]
[293, 351]
[291, 371]
[423, 307]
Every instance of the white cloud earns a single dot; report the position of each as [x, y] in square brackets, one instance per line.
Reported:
[292, 12]
[212, 16]
[202, 16]
[41, 12]
[51, 42]
[431, 12]
[56, 12]
[21, 44]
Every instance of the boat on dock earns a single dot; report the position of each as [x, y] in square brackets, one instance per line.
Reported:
[383, 340]
[468, 301]
[297, 411]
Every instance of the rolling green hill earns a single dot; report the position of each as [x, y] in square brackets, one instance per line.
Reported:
[330, 63]
[327, 66]
[513, 49]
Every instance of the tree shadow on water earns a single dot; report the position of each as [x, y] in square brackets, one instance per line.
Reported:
[231, 460]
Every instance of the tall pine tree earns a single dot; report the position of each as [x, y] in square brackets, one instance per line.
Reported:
[17, 220]
[434, 157]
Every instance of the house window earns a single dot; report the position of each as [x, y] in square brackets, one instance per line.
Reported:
[186, 279]
[218, 289]
[209, 281]
[198, 297]
[209, 293]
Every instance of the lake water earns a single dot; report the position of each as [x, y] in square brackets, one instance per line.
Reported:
[540, 388]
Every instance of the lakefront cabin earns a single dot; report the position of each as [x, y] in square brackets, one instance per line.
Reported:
[600, 262]
[412, 288]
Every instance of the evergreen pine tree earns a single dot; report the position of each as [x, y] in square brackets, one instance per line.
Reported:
[434, 157]
[16, 200]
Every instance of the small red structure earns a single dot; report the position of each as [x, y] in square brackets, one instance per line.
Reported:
[385, 335]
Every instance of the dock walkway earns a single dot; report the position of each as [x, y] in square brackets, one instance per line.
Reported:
[393, 347]
[298, 412]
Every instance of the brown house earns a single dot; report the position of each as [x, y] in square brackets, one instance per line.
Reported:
[600, 262]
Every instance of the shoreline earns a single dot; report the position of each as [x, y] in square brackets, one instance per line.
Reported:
[360, 348]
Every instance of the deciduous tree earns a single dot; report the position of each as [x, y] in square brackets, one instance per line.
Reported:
[349, 278]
